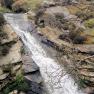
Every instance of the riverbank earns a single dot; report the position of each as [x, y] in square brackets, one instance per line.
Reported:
[18, 72]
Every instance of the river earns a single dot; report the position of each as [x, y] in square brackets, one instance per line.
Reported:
[53, 74]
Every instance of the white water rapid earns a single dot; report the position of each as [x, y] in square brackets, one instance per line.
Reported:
[50, 69]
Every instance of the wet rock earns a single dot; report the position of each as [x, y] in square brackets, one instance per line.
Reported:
[30, 67]
[34, 77]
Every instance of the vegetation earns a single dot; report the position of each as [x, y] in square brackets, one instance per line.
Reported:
[85, 15]
[77, 37]
[4, 10]
[89, 23]
[18, 84]
[33, 4]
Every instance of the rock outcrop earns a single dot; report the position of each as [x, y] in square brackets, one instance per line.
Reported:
[15, 60]
[9, 63]
[77, 58]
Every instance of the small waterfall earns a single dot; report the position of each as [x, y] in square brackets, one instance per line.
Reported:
[51, 71]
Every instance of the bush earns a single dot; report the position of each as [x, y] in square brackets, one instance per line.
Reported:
[82, 83]
[89, 23]
[19, 84]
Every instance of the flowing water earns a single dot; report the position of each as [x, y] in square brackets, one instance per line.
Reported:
[52, 73]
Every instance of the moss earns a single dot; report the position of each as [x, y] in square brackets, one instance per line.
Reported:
[89, 23]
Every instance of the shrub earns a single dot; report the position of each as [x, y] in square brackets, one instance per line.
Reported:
[79, 39]
[89, 23]
[18, 84]
[82, 83]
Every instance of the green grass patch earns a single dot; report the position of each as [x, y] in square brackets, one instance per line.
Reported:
[33, 4]
[89, 23]
[19, 84]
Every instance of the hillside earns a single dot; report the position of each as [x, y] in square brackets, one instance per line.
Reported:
[58, 30]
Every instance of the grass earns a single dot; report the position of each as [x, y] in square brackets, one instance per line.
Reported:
[19, 84]
[33, 4]
[4, 10]
[89, 23]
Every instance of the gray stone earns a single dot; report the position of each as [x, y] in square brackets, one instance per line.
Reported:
[34, 77]
[30, 67]
[35, 88]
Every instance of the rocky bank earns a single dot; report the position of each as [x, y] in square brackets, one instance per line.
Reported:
[15, 60]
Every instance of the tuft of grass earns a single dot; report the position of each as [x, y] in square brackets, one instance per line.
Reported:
[19, 84]
[89, 23]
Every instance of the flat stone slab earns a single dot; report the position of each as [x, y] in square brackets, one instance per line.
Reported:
[34, 77]
[30, 67]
